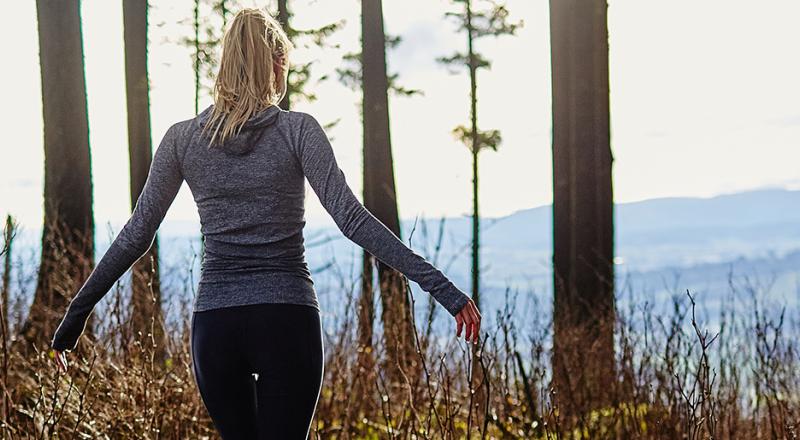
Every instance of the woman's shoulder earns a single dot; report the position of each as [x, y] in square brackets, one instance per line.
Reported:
[182, 128]
[297, 117]
[302, 124]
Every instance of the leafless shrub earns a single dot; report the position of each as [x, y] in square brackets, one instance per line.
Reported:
[677, 377]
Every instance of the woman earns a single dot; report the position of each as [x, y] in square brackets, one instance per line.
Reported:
[256, 337]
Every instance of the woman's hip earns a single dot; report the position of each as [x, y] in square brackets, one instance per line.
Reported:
[267, 338]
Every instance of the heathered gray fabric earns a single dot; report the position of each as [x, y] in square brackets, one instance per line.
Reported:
[250, 196]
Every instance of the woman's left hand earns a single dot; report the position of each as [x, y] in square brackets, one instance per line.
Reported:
[470, 317]
[61, 361]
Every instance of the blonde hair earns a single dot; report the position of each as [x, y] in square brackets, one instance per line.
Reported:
[253, 47]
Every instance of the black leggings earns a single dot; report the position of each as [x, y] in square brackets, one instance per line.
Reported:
[281, 344]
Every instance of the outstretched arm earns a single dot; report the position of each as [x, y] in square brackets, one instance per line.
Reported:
[163, 182]
[359, 225]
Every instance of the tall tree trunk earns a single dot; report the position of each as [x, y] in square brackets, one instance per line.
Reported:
[477, 376]
[583, 231]
[197, 68]
[8, 240]
[473, 113]
[68, 229]
[283, 18]
[196, 27]
[379, 188]
[146, 314]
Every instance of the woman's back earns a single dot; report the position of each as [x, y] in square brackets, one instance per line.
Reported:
[250, 195]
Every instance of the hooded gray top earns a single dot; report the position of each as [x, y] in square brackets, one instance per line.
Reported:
[250, 195]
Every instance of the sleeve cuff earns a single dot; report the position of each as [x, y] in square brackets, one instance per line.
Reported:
[452, 299]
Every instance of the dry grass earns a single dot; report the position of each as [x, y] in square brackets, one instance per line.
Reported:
[675, 379]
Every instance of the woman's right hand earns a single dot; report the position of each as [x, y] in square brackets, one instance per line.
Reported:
[470, 317]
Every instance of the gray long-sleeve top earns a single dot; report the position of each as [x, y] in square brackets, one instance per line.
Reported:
[250, 195]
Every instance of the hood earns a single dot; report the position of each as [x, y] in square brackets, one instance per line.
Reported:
[251, 132]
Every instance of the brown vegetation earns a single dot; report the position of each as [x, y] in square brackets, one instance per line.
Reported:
[674, 379]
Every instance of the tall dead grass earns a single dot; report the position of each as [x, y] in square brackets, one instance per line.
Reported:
[680, 374]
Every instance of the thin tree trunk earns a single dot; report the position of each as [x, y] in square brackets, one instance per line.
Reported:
[362, 385]
[146, 314]
[283, 18]
[477, 376]
[583, 231]
[223, 11]
[196, 24]
[68, 230]
[366, 320]
[8, 241]
[379, 187]
[473, 89]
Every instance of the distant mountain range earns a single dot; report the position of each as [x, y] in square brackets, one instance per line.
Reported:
[676, 231]
[762, 219]
[699, 240]
[696, 241]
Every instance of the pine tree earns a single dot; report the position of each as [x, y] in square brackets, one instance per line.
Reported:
[366, 70]
[491, 21]
[68, 230]
[583, 231]
[146, 314]
[494, 22]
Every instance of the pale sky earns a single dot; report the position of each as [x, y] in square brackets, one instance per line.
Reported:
[704, 100]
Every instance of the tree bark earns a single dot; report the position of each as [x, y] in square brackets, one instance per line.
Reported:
[146, 314]
[196, 65]
[68, 229]
[379, 187]
[283, 18]
[6, 252]
[8, 240]
[583, 231]
[477, 377]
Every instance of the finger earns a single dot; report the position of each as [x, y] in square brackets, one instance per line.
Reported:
[475, 313]
[469, 329]
[475, 309]
[460, 325]
[475, 321]
[474, 324]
